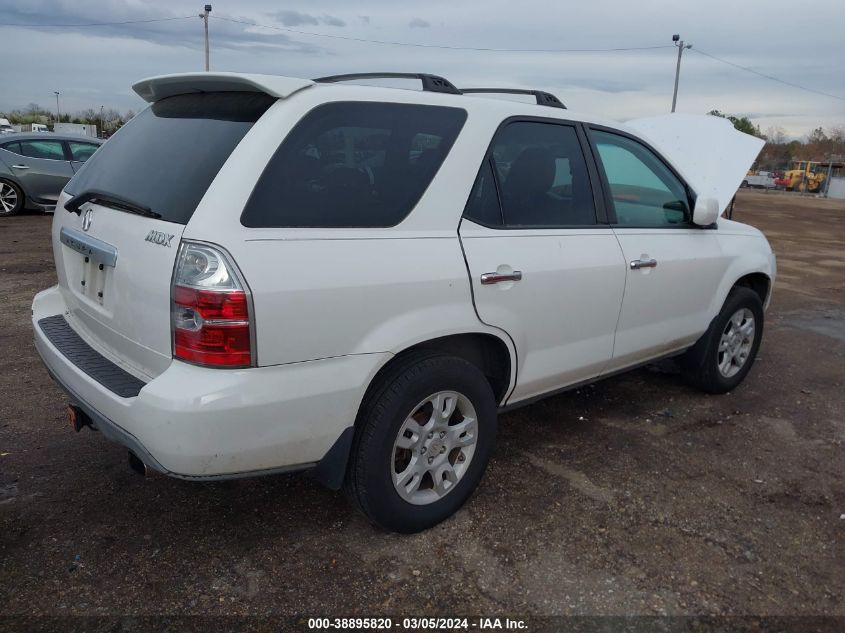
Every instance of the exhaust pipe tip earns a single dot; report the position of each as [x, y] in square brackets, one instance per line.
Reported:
[137, 465]
[77, 418]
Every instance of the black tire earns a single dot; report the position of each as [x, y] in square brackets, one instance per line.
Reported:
[700, 364]
[744, 184]
[19, 197]
[387, 405]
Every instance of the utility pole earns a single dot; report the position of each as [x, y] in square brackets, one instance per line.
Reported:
[102, 125]
[680, 44]
[829, 173]
[204, 16]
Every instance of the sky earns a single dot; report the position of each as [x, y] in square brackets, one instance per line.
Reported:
[94, 66]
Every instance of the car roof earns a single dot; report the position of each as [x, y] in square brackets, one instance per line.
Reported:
[154, 88]
[50, 136]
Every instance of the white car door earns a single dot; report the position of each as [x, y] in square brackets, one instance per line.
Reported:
[544, 265]
[673, 267]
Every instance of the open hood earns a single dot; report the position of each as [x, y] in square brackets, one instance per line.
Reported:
[711, 155]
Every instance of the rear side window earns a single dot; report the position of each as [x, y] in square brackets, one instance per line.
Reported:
[168, 155]
[353, 164]
[15, 148]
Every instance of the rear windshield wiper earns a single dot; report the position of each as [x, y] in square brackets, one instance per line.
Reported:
[108, 200]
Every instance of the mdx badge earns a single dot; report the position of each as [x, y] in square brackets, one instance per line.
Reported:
[157, 237]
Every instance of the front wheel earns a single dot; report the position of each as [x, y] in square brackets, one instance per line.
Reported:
[723, 356]
[424, 437]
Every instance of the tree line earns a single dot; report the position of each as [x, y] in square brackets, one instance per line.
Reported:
[107, 120]
[822, 144]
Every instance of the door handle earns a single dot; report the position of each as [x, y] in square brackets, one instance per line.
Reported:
[20, 166]
[643, 263]
[494, 278]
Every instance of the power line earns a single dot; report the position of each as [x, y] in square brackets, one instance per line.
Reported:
[450, 48]
[770, 77]
[184, 17]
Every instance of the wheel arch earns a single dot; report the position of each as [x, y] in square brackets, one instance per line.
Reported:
[493, 354]
[759, 282]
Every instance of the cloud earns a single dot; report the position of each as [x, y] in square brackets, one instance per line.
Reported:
[168, 28]
[295, 18]
[106, 60]
[332, 21]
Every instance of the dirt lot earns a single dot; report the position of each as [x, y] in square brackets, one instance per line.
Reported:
[636, 495]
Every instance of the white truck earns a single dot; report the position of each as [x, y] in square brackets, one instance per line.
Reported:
[761, 180]
[81, 129]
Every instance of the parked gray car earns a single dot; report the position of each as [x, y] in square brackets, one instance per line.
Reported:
[34, 168]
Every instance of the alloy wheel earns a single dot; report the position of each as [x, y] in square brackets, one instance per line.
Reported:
[434, 447]
[8, 197]
[735, 343]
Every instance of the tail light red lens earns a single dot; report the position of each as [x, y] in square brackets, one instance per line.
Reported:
[211, 318]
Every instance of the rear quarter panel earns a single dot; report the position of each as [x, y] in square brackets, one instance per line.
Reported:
[321, 292]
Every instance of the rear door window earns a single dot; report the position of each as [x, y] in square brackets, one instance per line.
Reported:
[353, 164]
[50, 150]
[541, 179]
[169, 154]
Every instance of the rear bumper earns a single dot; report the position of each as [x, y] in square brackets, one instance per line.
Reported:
[198, 423]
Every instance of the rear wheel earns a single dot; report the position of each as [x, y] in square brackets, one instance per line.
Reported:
[11, 198]
[425, 436]
[722, 358]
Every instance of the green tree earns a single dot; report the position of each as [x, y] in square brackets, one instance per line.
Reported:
[743, 124]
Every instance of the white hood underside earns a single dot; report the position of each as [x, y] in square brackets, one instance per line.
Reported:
[710, 154]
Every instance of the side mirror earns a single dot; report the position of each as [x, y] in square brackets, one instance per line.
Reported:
[706, 211]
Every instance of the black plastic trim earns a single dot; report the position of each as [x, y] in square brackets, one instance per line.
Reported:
[543, 98]
[331, 469]
[87, 359]
[430, 83]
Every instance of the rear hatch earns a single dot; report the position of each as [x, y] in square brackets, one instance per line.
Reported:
[117, 226]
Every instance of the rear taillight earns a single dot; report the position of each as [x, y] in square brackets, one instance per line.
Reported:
[210, 309]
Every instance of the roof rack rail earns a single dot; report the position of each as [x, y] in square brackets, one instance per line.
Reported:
[543, 98]
[430, 83]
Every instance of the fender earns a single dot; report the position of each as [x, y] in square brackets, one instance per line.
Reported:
[747, 257]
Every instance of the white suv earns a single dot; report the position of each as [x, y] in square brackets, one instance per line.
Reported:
[261, 274]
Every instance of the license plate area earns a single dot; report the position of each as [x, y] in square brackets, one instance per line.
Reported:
[97, 257]
[92, 285]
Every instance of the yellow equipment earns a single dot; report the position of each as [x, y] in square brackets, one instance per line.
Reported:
[805, 175]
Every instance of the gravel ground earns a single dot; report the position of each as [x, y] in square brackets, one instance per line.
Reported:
[636, 495]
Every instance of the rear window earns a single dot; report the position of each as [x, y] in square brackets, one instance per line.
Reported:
[353, 164]
[168, 155]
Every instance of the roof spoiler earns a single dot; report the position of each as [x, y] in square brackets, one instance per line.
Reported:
[155, 88]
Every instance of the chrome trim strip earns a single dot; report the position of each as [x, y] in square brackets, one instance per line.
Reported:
[98, 250]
